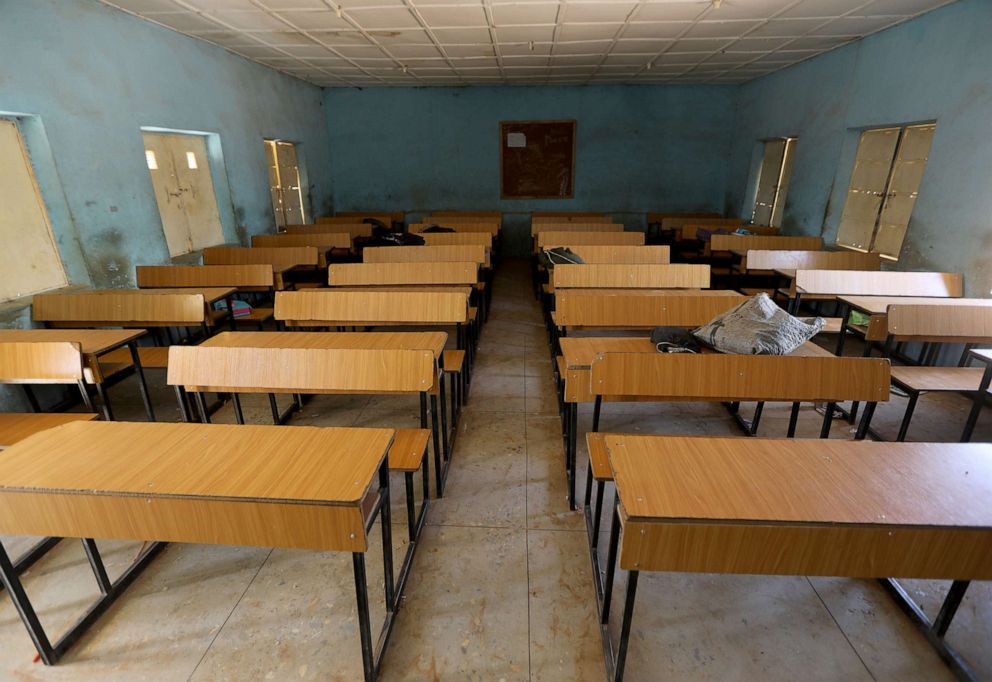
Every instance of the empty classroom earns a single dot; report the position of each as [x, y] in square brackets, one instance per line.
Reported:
[495, 340]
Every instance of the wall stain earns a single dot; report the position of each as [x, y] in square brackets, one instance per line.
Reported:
[107, 260]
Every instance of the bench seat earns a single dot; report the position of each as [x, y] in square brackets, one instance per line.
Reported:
[408, 449]
[155, 357]
[16, 426]
[951, 379]
[598, 457]
[452, 361]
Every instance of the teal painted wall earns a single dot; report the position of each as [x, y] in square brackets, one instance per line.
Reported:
[937, 67]
[91, 77]
[638, 148]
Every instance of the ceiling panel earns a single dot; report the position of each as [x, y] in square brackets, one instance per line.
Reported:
[339, 43]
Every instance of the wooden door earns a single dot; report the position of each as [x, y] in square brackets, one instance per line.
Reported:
[30, 261]
[184, 190]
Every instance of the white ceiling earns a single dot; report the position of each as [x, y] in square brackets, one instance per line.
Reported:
[492, 42]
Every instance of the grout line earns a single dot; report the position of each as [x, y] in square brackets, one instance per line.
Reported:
[233, 609]
[843, 634]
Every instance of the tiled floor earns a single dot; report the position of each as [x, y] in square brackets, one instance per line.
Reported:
[501, 586]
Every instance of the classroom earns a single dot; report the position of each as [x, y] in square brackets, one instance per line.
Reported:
[613, 340]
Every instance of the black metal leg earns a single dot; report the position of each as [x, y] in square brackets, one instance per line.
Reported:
[753, 430]
[976, 408]
[828, 419]
[84, 393]
[443, 409]
[31, 557]
[108, 413]
[865, 426]
[597, 407]
[364, 630]
[845, 312]
[142, 384]
[411, 517]
[440, 454]
[950, 606]
[201, 405]
[611, 563]
[96, 563]
[184, 410]
[239, 414]
[274, 407]
[31, 397]
[907, 417]
[573, 421]
[628, 614]
[12, 583]
[48, 653]
[385, 520]
[793, 420]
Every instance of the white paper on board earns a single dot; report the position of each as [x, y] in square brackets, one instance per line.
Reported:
[516, 140]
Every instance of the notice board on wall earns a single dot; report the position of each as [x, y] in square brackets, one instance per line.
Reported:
[537, 159]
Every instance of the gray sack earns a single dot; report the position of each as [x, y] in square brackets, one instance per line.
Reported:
[758, 327]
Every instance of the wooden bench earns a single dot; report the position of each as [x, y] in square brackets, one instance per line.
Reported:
[597, 253]
[805, 508]
[351, 229]
[471, 253]
[459, 228]
[458, 238]
[575, 226]
[404, 273]
[322, 241]
[316, 364]
[763, 263]
[631, 276]
[255, 278]
[284, 257]
[729, 242]
[106, 353]
[352, 217]
[809, 375]
[549, 240]
[841, 283]
[261, 486]
[380, 307]
[935, 325]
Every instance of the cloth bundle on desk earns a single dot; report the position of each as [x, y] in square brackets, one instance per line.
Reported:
[438, 228]
[758, 327]
[559, 255]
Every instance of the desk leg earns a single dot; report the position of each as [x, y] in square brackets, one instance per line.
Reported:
[184, 408]
[976, 408]
[440, 453]
[142, 384]
[845, 313]
[31, 557]
[372, 654]
[628, 614]
[935, 631]
[49, 653]
[573, 423]
[611, 563]
[793, 419]
[108, 413]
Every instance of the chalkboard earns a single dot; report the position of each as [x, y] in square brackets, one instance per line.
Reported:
[537, 159]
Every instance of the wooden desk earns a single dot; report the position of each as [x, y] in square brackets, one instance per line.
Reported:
[386, 374]
[122, 308]
[806, 507]
[433, 341]
[15, 427]
[877, 308]
[301, 487]
[93, 344]
[578, 355]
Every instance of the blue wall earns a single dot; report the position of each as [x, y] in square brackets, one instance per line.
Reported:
[638, 148]
[937, 67]
[91, 76]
